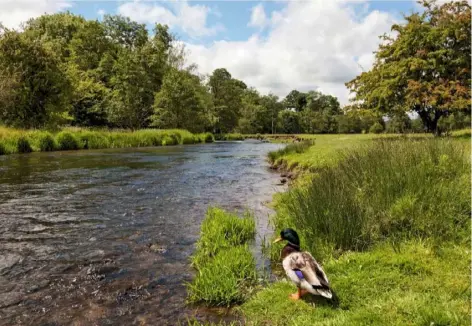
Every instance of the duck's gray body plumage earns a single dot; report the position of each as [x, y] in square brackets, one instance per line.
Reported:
[306, 273]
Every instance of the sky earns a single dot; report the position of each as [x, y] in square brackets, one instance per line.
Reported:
[274, 46]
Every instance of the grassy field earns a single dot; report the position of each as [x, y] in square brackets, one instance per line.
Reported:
[388, 218]
[25, 141]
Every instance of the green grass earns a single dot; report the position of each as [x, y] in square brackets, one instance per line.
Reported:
[389, 219]
[24, 141]
[226, 269]
[391, 189]
[222, 230]
[294, 148]
[414, 286]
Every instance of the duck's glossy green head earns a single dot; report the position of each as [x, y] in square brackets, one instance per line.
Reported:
[289, 235]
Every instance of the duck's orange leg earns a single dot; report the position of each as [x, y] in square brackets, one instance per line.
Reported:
[298, 294]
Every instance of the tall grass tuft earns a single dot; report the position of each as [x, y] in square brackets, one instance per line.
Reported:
[225, 266]
[67, 141]
[221, 230]
[46, 142]
[222, 280]
[81, 138]
[23, 145]
[392, 189]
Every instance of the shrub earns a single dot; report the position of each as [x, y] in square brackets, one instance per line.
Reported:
[376, 128]
[46, 142]
[67, 141]
[23, 145]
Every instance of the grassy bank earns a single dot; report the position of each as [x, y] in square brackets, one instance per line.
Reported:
[25, 141]
[226, 269]
[390, 221]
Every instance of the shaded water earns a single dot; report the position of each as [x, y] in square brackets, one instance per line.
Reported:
[103, 237]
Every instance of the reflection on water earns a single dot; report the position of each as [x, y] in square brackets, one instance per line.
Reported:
[103, 237]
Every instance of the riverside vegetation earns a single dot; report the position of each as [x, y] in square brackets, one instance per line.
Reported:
[25, 141]
[389, 219]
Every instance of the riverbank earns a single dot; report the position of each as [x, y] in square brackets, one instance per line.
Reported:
[24, 141]
[389, 219]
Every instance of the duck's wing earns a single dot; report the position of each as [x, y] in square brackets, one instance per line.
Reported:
[310, 269]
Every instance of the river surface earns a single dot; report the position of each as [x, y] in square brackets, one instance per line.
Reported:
[103, 237]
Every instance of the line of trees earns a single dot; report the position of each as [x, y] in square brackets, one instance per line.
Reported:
[62, 69]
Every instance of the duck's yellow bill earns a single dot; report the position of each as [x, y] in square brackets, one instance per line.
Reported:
[277, 240]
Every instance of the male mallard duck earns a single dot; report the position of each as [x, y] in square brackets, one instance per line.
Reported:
[302, 268]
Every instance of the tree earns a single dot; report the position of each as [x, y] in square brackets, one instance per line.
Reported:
[295, 100]
[425, 68]
[122, 31]
[132, 95]
[319, 114]
[183, 102]
[38, 91]
[289, 122]
[227, 98]
[399, 124]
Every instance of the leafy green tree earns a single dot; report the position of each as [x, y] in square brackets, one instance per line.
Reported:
[121, 30]
[399, 124]
[227, 98]
[183, 102]
[289, 122]
[39, 91]
[132, 95]
[295, 100]
[319, 114]
[425, 67]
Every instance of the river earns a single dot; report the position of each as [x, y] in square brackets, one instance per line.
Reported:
[103, 237]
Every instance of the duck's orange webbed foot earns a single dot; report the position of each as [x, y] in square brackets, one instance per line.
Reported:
[298, 294]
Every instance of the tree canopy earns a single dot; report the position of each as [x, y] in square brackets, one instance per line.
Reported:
[63, 69]
[424, 67]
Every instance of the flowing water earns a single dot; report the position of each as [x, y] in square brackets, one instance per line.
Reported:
[104, 237]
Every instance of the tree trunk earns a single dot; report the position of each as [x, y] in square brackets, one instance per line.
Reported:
[430, 118]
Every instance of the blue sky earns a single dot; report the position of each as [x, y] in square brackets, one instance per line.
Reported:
[232, 15]
[274, 46]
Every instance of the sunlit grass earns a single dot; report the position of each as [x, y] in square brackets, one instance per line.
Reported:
[23, 141]
[226, 269]
[414, 285]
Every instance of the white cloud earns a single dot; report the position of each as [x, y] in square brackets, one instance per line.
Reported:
[101, 12]
[310, 45]
[191, 19]
[15, 12]
[258, 16]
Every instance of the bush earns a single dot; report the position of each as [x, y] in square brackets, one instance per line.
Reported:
[376, 128]
[67, 141]
[46, 142]
[23, 145]
[392, 189]
[2, 149]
